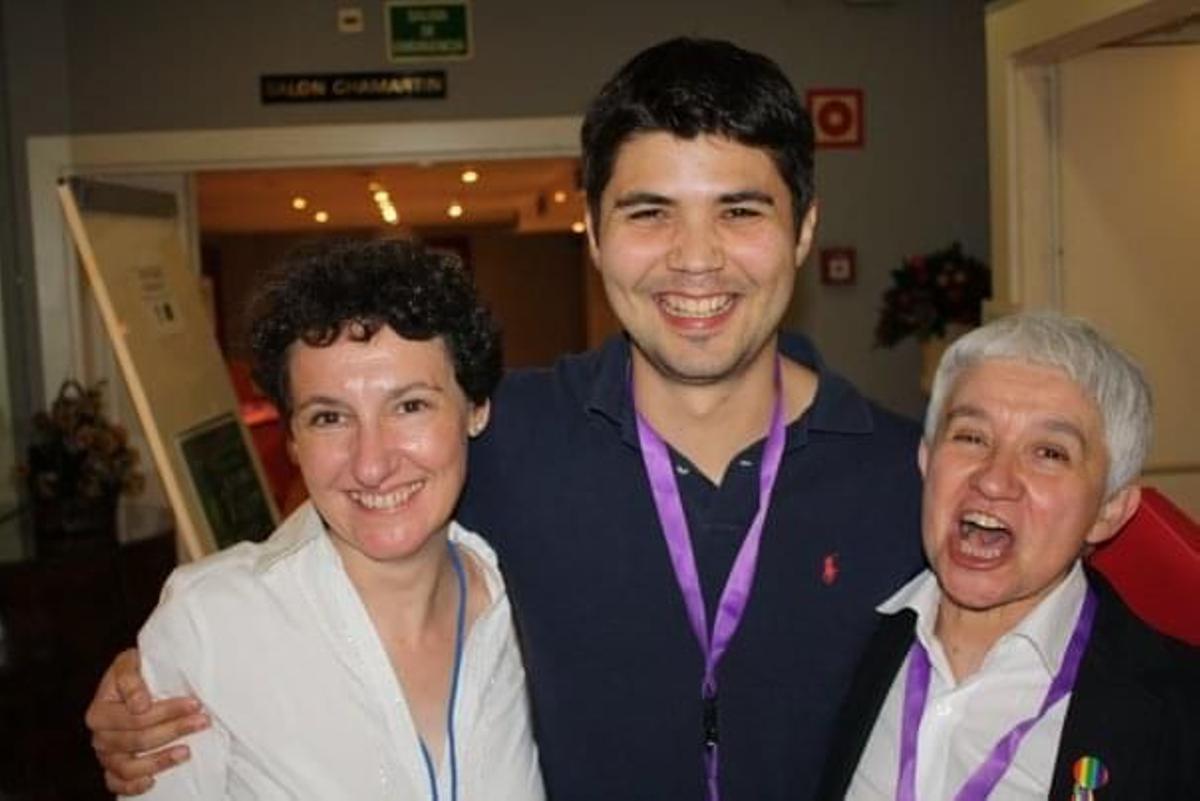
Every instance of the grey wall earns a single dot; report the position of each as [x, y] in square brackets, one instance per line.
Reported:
[124, 65]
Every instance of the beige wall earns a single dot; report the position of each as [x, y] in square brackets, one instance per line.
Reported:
[1130, 175]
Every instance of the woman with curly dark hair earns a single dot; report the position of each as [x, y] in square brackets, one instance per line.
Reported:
[366, 649]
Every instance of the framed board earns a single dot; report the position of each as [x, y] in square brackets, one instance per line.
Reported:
[154, 313]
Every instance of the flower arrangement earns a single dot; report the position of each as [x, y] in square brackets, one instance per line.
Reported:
[928, 292]
[77, 454]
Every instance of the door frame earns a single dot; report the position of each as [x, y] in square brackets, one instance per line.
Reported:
[1026, 41]
[52, 158]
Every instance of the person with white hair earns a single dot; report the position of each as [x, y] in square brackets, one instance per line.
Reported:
[1008, 670]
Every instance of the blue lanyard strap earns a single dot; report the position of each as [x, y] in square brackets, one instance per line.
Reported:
[460, 627]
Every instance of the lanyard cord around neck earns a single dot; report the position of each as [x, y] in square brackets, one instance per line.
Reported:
[459, 632]
[736, 593]
[980, 783]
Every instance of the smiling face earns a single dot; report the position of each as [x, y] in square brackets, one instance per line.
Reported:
[698, 252]
[379, 430]
[1014, 486]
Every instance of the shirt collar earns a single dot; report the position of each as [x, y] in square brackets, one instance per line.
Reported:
[1047, 628]
[837, 408]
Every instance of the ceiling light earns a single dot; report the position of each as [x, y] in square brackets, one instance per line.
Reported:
[455, 210]
[381, 196]
[321, 216]
[299, 203]
[560, 196]
[389, 214]
[470, 176]
[578, 227]
[374, 186]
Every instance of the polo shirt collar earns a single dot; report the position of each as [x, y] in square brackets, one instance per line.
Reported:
[838, 407]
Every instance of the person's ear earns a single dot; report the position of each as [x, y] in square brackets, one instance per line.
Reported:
[593, 236]
[804, 237]
[923, 458]
[478, 419]
[292, 453]
[1114, 513]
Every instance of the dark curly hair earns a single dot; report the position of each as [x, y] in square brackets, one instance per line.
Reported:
[321, 290]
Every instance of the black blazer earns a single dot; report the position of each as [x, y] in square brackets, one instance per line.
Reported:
[1135, 705]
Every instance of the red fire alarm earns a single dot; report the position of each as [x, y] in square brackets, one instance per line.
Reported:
[839, 266]
[837, 116]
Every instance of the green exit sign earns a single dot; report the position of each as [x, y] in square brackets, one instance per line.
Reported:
[423, 30]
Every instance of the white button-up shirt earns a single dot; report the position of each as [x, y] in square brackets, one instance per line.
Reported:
[275, 641]
[964, 721]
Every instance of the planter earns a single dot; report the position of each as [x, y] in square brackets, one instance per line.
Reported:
[74, 525]
[932, 350]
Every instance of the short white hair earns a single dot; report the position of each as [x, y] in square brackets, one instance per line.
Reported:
[1109, 377]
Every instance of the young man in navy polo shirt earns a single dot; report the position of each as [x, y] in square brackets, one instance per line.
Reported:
[697, 519]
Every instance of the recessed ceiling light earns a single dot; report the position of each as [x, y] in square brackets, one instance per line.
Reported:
[389, 214]
[578, 227]
[321, 216]
[455, 210]
[560, 196]
[381, 196]
[470, 176]
[374, 186]
[299, 203]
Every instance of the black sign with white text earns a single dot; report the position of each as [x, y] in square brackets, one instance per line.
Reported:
[334, 87]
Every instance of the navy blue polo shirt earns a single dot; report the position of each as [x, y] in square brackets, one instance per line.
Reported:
[558, 486]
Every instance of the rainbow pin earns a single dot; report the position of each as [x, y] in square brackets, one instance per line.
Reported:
[1090, 774]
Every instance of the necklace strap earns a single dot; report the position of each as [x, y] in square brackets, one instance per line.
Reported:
[460, 627]
[736, 594]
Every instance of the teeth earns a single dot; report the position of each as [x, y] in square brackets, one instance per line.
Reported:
[688, 306]
[981, 520]
[978, 550]
[385, 500]
[983, 536]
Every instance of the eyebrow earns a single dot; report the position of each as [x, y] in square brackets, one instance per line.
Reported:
[1061, 426]
[642, 199]
[392, 394]
[747, 196]
[1056, 425]
[965, 410]
[728, 198]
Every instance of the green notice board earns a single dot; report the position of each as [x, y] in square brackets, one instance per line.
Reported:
[223, 476]
[421, 30]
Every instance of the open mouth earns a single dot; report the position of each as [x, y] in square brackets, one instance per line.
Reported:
[384, 501]
[695, 308]
[983, 536]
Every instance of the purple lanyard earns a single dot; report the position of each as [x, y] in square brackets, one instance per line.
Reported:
[736, 593]
[980, 784]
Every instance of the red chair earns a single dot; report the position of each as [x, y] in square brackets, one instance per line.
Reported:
[1154, 565]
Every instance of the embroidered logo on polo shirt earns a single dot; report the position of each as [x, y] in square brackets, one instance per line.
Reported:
[830, 569]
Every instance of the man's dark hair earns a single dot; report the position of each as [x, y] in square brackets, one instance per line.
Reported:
[693, 87]
[356, 287]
